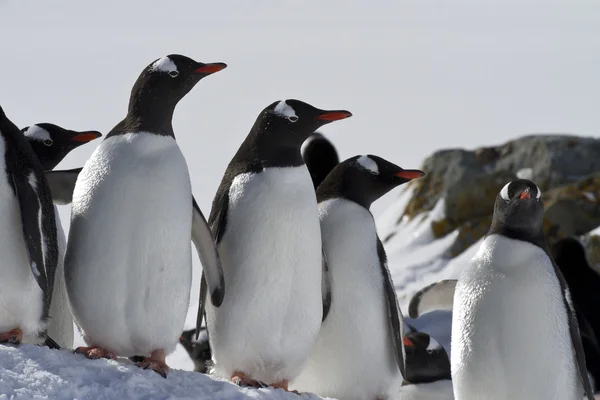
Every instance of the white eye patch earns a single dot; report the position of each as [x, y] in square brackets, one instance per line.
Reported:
[164, 64]
[505, 197]
[368, 164]
[285, 110]
[37, 133]
[433, 344]
[539, 193]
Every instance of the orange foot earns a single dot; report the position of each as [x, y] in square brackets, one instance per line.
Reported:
[13, 337]
[95, 352]
[156, 362]
[240, 379]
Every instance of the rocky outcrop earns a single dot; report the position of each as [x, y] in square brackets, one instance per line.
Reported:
[566, 168]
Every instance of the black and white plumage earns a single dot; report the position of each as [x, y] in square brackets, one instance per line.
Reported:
[51, 143]
[128, 262]
[514, 329]
[197, 349]
[361, 338]
[426, 360]
[264, 218]
[29, 247]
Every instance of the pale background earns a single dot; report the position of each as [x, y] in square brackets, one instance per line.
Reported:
[418, 75]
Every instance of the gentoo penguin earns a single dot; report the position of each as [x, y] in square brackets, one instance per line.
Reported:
[320, 157]
[128, 265]
[364, 321]
[51, 143]
[198, 349]
[29, 245]
[584, 284]
[426, 359]
[513, 289]
[265, 221]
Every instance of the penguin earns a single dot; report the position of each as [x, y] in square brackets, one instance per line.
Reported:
[29, 245]
[364, 321]
[51, 143]
[584, 285]
[512, 288]
[128, 264]
[426, 359]
[198, 350]
[320, 157]
[265, 222]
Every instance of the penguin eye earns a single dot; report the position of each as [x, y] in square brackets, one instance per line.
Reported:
[48, 142]
[293, 118]
[173, 74]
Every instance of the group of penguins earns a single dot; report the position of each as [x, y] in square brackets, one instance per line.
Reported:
[295, 291]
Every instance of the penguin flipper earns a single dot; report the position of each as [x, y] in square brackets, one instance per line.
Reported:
[394, 313]
[437, 296]
[325, 287]
[209, 256]
[62, 184]
[201, 304]
[39, 233]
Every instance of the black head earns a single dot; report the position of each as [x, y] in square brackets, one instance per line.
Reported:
[51, 143]
[519, 212]
[364, 179]
[198, 350]
[320, 157]
[426, 360]
[161, 85]
[569, 255]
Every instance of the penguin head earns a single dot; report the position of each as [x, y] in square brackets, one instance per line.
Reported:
[364, 179]
[198, 350]
[519, 207]
[293, 121]
[51, 143]
[320, 157]
[426, 360]
[168, 79]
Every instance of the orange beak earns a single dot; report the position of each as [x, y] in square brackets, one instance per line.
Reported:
[210, 68]
[85, 137]
[408, 342]
[334, 115]
[410, 174]
[525, 194]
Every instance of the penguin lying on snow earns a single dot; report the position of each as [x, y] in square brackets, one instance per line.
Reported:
[51, 144]
[29, 245]
[512, 288]
[265, 221]
[197, 349]
[364, 321]
[128, 263]
[426, 359]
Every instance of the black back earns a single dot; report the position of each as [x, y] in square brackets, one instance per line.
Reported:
[320, 157]
[519, 215]
[51, 151]
[425, 365]
[27, 180]
[274, 141]
[157, 91]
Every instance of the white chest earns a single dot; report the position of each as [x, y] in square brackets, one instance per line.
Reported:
[271, 256]
[510, 333]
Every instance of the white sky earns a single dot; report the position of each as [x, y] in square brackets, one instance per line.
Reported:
[418, 75]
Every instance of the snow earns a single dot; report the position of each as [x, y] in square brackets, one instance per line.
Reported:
[32, 372]
[439, 390]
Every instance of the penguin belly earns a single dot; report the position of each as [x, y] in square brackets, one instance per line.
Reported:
[353, 357]
[128, 264]
[510, 332]
[21, 298]
[60, 325]
[271, 257]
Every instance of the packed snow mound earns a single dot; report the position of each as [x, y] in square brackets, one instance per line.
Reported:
[33, 372]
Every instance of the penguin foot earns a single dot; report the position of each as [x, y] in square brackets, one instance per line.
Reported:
[240, 379]
[95, 352]
[284, 385]
[156, 362]
[13, 337]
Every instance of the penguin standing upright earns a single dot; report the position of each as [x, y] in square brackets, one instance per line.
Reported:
[29, 245]
[514, 330]
[265, 221]
[51, 143]
[320, 157]
[361, 337]
[128, 264]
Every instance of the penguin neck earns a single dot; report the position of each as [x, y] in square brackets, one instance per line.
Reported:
[149, 114]
[538, 239]
[262, 148]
